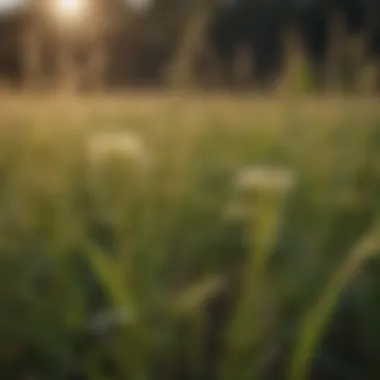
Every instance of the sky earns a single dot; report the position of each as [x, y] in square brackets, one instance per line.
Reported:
[7, 5]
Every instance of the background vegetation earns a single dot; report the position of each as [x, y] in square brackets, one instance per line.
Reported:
[211, 44]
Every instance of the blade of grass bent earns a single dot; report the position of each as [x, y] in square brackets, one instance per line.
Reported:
[316, 320]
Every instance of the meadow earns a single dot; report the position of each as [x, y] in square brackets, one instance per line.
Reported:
[189, 237]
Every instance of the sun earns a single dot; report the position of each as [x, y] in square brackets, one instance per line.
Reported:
[71, 9]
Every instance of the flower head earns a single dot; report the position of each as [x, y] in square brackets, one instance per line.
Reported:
[118, 168]
[261, 179]
[124, 145]
[252, 183]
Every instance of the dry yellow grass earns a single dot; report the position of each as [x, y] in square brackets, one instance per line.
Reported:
[155, 104]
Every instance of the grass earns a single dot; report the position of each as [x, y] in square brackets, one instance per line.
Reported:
[135, 271]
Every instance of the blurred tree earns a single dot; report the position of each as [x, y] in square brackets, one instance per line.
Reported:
[149, 41]
[181, 69]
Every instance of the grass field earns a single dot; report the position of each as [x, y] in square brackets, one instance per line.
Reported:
[205, 237]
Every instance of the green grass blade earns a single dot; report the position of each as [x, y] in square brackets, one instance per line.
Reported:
[318, 317]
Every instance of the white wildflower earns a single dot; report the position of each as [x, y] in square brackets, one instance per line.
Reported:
[251, 184]
[265, 179]
[118, 170]
[123, 145]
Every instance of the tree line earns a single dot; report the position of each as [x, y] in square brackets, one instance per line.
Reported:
[215, 43]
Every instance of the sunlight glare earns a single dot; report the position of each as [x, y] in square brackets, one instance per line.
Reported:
[71, 9]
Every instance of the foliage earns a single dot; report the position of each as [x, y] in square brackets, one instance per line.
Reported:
[125, 262]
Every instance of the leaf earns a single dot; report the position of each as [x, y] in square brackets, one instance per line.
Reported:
[109, 275]
[197, 295]
[316, 320]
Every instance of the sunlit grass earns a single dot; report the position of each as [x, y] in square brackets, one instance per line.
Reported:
[123, 219]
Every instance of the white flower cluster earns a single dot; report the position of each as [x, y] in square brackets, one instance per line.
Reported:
[124, 145]
[265, 179]
[252, 183]
[118, 169]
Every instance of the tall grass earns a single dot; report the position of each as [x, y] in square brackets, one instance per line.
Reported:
[125, 261]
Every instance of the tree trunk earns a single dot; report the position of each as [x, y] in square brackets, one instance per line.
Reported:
[67, 73]
[32, 52]
[335, 53]
[181, 72]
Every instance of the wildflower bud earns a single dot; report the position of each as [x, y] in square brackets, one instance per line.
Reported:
[123, 145]
[263, 180]
[254, 184]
